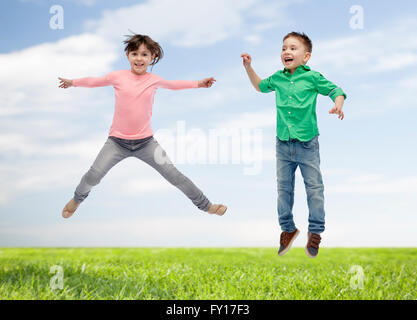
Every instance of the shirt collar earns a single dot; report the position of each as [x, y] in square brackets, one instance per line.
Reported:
[300, 68]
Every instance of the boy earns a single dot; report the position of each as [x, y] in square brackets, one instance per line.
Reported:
[296, 88]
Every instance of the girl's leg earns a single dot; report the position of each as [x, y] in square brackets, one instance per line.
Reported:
[109, 156]
[153, 154]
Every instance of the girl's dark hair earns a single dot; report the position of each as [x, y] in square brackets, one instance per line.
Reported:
[303, 38]
[134, 41]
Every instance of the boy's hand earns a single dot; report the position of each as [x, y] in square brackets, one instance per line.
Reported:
[65, 83]
[337, 110]
[206, 83]
[247, 59]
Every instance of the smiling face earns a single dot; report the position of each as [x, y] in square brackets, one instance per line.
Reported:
[140, 59]
[294, 53]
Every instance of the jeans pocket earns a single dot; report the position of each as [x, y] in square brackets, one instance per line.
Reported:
[311, 144]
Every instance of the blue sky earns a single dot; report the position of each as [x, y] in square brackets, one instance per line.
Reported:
[49, 137]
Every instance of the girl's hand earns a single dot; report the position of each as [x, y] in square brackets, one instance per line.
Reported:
[65, 83]
[337, 110]
[247, 59]
[206, 83]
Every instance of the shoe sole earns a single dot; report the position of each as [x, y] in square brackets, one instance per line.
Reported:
[308, 253]
[289, 246]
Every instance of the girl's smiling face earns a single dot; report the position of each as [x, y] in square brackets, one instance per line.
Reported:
[294, 53]
[140, 59]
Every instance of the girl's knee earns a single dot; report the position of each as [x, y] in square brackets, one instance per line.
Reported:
[175, 177]
[93, 176]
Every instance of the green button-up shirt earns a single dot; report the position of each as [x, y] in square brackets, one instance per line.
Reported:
[296, 97]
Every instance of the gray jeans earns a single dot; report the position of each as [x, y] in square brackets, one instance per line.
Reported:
[147, 150]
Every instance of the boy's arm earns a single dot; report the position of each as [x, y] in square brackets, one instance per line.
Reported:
[328, 88]
[253, 77]
[337, 109]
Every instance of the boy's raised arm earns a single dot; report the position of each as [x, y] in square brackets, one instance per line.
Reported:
[254, 78]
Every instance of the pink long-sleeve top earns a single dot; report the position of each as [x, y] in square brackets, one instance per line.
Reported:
[134, 97]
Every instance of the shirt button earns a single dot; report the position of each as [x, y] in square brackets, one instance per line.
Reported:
[289, 112]
[289, 126]
[290, 97]
[292, 81]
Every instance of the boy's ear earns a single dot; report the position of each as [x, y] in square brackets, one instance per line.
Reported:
[307, 56]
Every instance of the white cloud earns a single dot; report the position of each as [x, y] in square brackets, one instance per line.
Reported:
[197, 231]
[409, 83]
[195, 23]
[253, 39]
[390, 48]
[368, 185]
[206, 230]
[81, 2]
[250, 120]
[29, 77]
[146, 185]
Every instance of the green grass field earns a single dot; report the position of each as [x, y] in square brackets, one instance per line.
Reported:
[202, 273]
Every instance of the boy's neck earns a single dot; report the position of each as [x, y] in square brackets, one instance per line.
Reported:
[293, 70]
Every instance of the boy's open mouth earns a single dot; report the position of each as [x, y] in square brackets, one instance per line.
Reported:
[139, 65]
[288, 59]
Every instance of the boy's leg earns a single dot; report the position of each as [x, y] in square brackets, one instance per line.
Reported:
[309, 162]
[153, 154]
[108, 157]
[285, 182]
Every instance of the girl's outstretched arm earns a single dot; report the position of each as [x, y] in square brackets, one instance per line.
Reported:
[89, 82]
[206, 83]
[65, 83]
[184, 84]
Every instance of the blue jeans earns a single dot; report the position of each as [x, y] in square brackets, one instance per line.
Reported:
[290, 155]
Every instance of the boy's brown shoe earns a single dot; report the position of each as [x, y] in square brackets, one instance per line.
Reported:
[286, 240]
[312, 247]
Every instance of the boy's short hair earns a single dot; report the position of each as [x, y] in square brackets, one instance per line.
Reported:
[134, 41]
[303, 38]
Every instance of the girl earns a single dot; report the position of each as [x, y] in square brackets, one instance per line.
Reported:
[131, 133]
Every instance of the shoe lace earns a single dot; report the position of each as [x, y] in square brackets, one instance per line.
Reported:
[314, 241]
